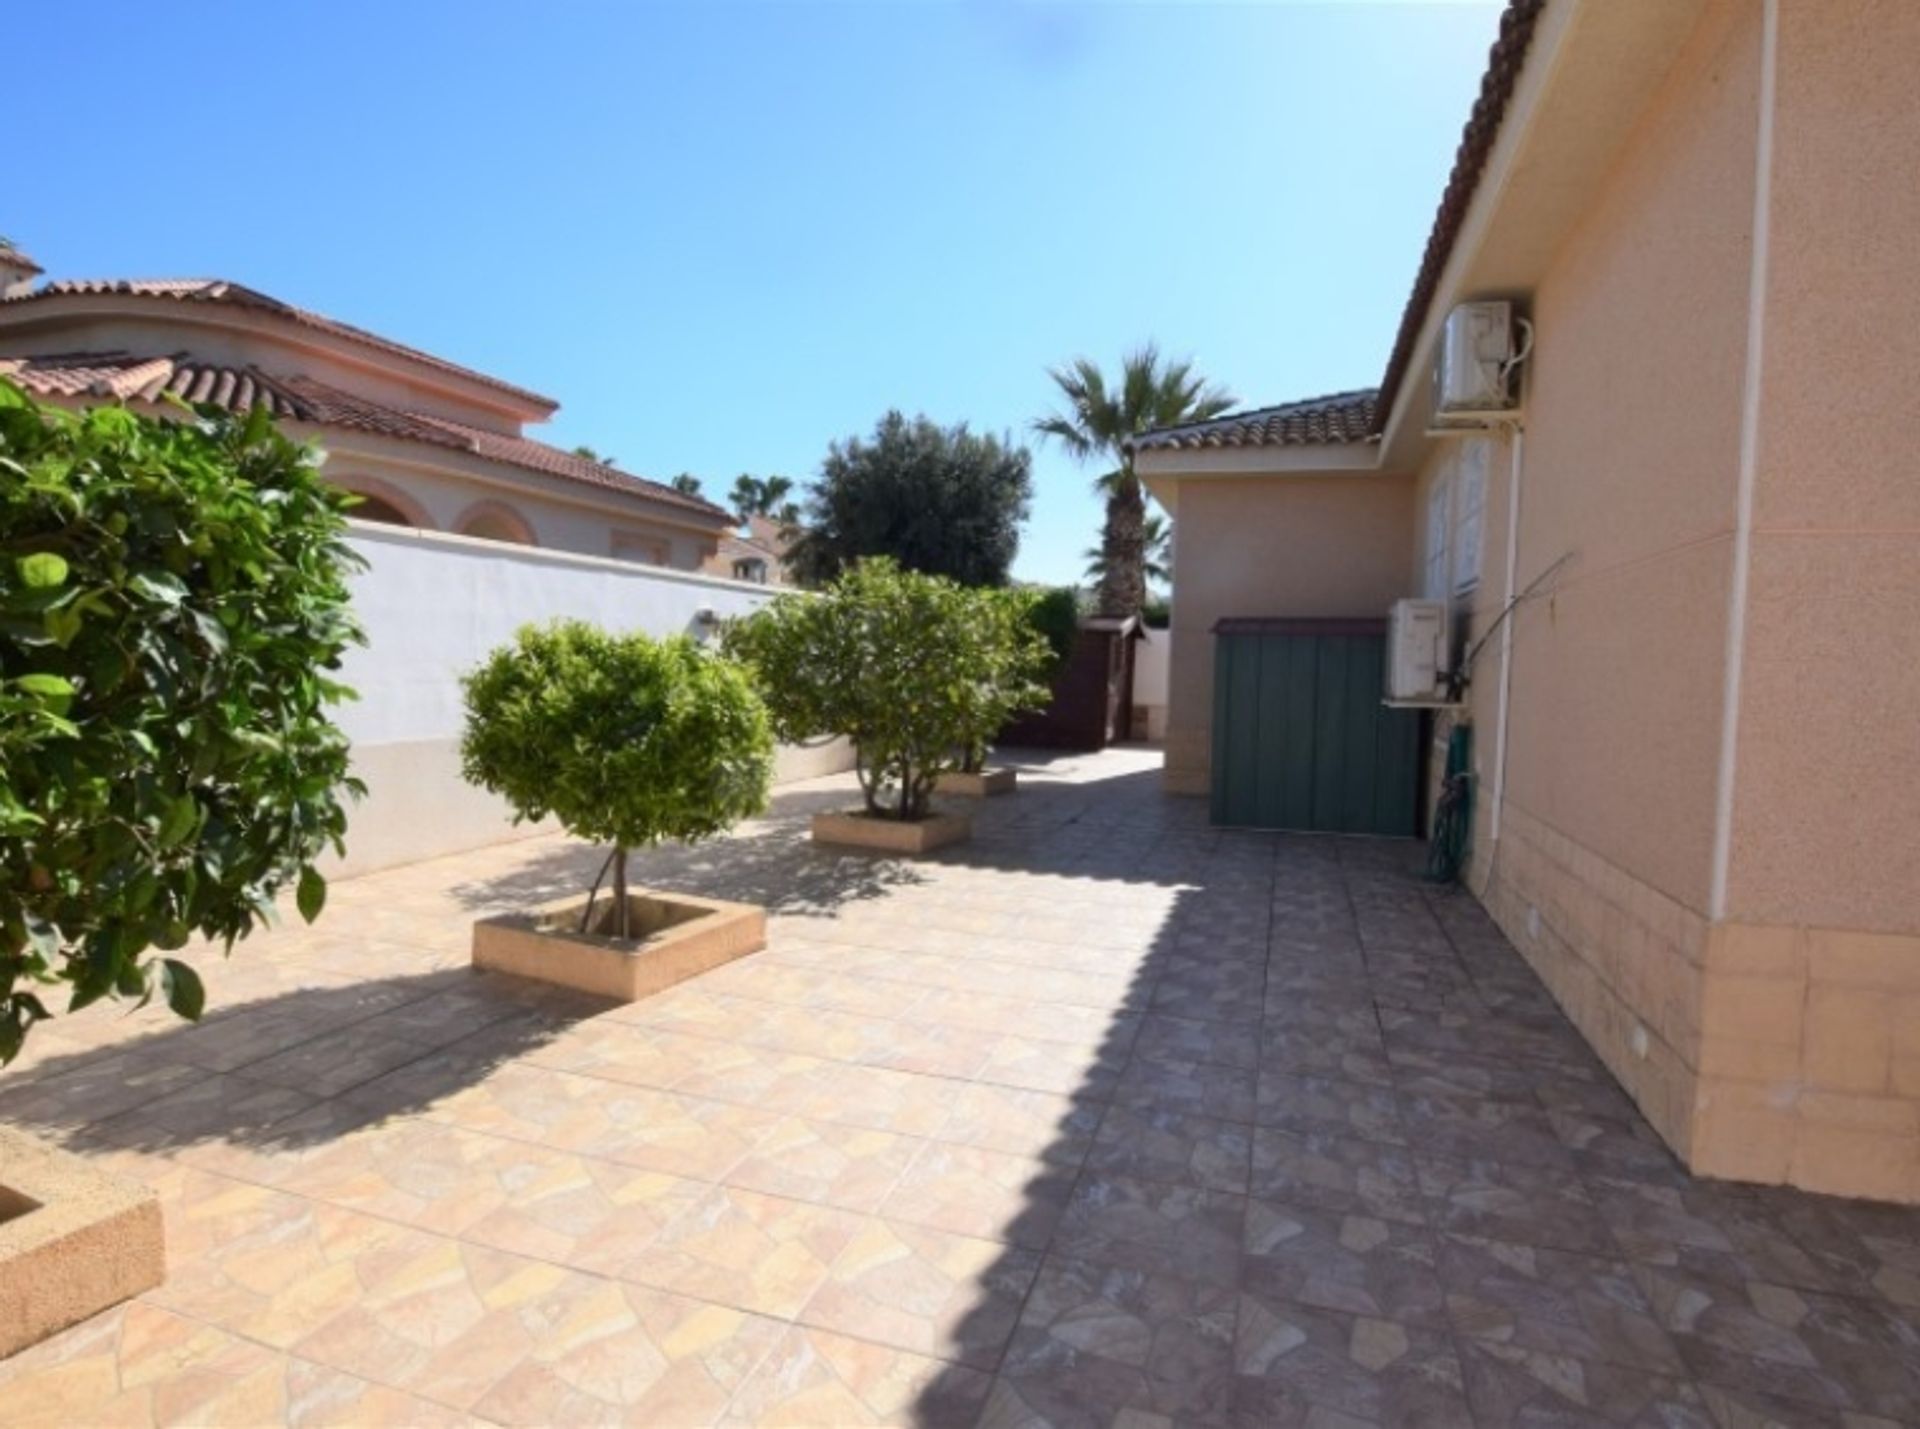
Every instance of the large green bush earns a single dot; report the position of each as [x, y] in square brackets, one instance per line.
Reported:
[915, 670]
[172, 598]
[626, 740]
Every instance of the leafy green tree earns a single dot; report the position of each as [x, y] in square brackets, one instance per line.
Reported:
[942, 500]
[687, 484]
[914, 669]
[764, 496]
[173, 602]
[628, 741]
[591, 455]
[1151, 392]
[1017, 658]
[1157, 565]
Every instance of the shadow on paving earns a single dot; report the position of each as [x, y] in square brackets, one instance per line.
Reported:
[371, 1049]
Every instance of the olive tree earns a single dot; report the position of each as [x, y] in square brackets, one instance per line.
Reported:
[173, 602]
[913, 669]
[626, 740]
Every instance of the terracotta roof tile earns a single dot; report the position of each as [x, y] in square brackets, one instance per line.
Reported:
[129, 377]
[1337, 419]
[220, 290]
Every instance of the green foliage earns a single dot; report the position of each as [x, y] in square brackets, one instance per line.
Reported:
[1055, 613]
[626, 740]
[172, 596]
[915, 670]
[764, 496]
[941, 500]
[687, 484]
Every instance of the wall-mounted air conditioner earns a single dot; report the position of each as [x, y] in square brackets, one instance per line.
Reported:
[1476, 371]
[1417, 652]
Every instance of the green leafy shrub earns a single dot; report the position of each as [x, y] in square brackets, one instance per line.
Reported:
[626, 740]
[172, 594]
[915, 670]
[1054, 611]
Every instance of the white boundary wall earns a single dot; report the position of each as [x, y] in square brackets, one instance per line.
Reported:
[1152, 666]
[432, 606]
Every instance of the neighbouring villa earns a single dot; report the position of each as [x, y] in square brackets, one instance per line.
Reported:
[425, 442]
[1672, 452]
[756, 551]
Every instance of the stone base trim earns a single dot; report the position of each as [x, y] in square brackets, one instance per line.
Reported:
[74, 1240]
[682, 937]
[859, 830]
[1762, 1053]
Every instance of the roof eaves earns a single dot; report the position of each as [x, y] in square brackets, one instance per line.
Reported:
[1504, 61]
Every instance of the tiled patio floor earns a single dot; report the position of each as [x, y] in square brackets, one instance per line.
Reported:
[1106, 1119]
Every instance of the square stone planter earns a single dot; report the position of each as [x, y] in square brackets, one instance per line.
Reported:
[983, 784]
[73, 1240]
[857, 829]
[676, 936]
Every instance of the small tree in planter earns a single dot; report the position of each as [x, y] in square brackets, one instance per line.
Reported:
[173, 597]
[1016, 660]
[626, 740]
[908, 667]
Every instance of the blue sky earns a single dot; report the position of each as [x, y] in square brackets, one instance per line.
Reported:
[725, 234]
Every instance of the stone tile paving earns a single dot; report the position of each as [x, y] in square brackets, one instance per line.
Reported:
[1107, 1119]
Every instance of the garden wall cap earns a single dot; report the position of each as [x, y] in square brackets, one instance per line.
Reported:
[130, 377]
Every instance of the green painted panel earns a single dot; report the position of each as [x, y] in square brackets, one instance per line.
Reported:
[1296, 807]
[1244, 735]
[1270, 776]
[1362, 707]
[1331, 733]
[1302, 741]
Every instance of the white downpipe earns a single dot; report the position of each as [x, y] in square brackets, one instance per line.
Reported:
[1749, 467]
[1506, 635]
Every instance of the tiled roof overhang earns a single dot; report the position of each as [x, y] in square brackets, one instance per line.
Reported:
[129, 377]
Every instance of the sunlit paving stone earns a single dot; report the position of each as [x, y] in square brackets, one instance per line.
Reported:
[1106, 1120]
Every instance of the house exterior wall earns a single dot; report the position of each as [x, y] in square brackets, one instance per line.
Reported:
[1328, 546]
[558, 520]
[443, 488]
[1738, 935]
[1603, 871]
[1816, 1079]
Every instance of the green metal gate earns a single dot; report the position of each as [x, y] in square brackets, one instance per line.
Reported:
[1300, 737]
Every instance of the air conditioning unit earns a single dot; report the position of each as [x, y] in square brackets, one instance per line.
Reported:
[1417, 652]
[1475, 374]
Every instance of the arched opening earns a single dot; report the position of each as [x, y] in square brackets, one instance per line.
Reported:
[388, 505]
[378, 508]
[495, 521]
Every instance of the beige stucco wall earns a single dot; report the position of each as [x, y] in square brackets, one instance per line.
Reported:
[1770, 1026]
[1603, 872]
[1333, 545]
[1826, 827]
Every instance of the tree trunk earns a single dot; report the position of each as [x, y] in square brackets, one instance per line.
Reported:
[622, 912]
[1123, 544]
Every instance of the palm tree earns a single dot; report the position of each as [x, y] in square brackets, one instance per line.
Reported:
[1099, 420]
[763, 496]
[1158, 554]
